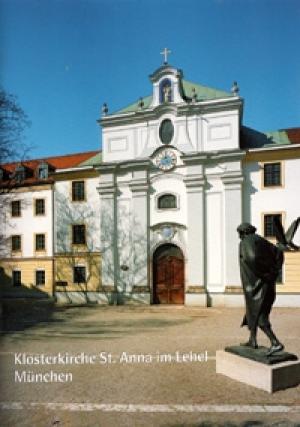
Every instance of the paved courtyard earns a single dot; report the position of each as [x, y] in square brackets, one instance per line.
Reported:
[132, 381]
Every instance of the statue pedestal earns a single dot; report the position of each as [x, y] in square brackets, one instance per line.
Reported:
[266, 374]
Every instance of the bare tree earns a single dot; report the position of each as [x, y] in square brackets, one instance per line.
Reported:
[121, 268]
[13, 121]
[73, 256]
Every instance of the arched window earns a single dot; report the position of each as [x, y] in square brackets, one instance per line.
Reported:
[167, 201]
[165, 91]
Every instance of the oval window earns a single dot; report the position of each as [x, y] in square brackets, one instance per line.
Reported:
[166, 131]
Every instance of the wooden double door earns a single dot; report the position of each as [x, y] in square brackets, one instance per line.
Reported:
[168, 275]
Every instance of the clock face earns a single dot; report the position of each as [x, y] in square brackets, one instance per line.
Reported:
[166, 160]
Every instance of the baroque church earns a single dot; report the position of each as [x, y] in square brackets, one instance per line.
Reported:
[152, 218]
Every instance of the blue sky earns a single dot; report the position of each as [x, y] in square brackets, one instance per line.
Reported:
[64, 58]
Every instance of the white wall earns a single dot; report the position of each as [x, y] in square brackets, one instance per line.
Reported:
[168, 183]
[271, 200]
[193, 132]
[28, 224]
[220, 131]
[68, 212]
[208, 132]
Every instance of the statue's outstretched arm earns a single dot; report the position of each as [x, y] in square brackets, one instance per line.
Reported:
[279, 232]
[291, 233]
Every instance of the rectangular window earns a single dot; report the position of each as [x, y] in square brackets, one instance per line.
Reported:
[272, 174]
[269, 230]
[79, 274]
[39, 206]
[43, 171]
[78, 234]
[40, 277]
[20, 173]
[16, 243]
[16, 278]
[77, 191]
[167, 201]
[40, 242]
[16, 208]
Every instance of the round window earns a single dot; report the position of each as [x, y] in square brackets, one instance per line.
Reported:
[166, 131]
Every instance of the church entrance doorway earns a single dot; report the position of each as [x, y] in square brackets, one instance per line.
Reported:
[168, 275]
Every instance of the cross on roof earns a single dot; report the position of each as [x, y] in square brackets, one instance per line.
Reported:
[165, 52]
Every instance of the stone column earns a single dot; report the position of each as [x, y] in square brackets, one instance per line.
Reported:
[140, 217]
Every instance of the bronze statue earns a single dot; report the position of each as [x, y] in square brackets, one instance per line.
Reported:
[260, 264]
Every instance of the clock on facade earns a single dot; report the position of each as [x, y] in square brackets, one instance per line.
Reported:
[166, 160]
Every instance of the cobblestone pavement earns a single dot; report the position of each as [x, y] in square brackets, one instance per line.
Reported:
[150, 390]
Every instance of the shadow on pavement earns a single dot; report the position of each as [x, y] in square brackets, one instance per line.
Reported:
[249, 423]
[19, 314]
[40, 319]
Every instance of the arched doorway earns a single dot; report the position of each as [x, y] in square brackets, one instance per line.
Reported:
[168, 275]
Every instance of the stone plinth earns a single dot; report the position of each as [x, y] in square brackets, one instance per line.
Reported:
[268, 377]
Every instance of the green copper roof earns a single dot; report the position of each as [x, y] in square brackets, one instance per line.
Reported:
[134, 107]
[94, 160]
[204, 93]
[251, 138]
[278, 137]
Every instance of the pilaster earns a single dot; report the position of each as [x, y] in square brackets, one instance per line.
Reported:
[140, 235]
[107, 192]
[232, 182]
[195, 270]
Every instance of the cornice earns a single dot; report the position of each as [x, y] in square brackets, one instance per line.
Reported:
[194, 180]
[232, 178]
[107, 167]
[179, 109]
[194, 158]
[235, 155]
[136, 164]
[139, 186]
[107, 188]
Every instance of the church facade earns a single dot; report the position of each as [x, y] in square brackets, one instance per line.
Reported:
[153, 219]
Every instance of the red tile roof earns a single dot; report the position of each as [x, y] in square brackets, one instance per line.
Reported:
[293, 135]
[58, 162]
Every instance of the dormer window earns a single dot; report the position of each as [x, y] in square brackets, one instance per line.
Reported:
[165, 91]
[43, 171]
[20, 173]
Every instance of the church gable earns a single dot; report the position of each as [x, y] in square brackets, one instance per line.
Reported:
[199, 118]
